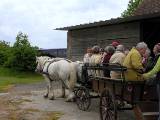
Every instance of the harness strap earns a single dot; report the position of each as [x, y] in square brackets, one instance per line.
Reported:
[46, 73]
[50, 62]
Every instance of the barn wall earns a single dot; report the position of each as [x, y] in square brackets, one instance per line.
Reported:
[79, 40]
[61, 52]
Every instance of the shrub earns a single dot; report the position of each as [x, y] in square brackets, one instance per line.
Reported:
[4, 51]
[23, 55]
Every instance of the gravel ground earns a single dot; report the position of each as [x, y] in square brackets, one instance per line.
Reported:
[26, 102]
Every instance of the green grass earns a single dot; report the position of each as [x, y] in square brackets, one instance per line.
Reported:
[10, 77]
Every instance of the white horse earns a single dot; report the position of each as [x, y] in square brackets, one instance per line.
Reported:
[57, 69]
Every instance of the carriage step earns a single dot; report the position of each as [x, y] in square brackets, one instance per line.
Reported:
[151, 117]
[146, 111]
[150, 113]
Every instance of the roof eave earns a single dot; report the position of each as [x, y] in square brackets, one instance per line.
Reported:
[111, 22]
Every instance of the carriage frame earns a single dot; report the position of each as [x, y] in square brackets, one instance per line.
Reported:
[114, 94]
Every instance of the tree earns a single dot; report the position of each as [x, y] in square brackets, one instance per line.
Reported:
[23, 56]
[132, 6]
[4, 51]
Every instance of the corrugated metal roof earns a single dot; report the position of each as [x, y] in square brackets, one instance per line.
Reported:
[111, 21]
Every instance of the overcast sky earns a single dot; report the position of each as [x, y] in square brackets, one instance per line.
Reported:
[38, 18]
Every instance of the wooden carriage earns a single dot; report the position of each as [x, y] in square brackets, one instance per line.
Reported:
[116, 94]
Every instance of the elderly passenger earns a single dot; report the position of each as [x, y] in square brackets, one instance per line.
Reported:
[108, 52]
[155, 71]
[95, 58]
[115, 43]
[156, 51]
[146, 58]
[117, 57]
[133, 62]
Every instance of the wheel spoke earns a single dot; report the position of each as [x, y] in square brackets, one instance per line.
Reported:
[106, 115]
[107, 108]
[86, 102]
[103, 110]
[80, 104]
[111, 114]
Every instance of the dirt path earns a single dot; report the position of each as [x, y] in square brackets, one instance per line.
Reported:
[26, 102]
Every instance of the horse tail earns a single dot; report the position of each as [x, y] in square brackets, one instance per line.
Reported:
[72, 76]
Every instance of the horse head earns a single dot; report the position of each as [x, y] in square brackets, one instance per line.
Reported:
[40, 61]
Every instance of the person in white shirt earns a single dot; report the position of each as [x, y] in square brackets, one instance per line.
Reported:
[87, 56]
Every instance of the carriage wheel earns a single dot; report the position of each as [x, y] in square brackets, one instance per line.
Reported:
[83, 98]
[108, 109]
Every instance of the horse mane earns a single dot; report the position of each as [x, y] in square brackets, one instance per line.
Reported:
[58, 59]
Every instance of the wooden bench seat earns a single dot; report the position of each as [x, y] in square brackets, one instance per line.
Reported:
[107, 78]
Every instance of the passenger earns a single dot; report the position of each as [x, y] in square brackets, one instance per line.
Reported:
[87, 56]
[146, 58]
[155, 71]
[115, 43]
[126, 51]
[133, 62]
[95, 58]
[109, 50]
[156, 51]
[117, 57]
[101, 51]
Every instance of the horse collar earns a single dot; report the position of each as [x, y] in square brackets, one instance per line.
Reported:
[46, 72]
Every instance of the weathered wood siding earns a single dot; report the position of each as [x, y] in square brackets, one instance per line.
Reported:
[79, 40]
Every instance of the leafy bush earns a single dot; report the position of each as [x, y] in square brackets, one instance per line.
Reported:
[23, 55]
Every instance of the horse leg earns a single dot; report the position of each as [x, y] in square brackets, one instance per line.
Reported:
[63, 91]
[47, 94]
[71, 94]
[48, 87]
[52, 97]
[70, 97]
[70, 83]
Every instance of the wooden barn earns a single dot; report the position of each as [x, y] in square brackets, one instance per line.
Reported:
[143, 26]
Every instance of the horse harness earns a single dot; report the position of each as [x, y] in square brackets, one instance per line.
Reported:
[50, 62]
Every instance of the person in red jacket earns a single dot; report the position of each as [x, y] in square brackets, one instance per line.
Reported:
[115, 43]
[108, 52]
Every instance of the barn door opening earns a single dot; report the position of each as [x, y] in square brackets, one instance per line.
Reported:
[150, 32]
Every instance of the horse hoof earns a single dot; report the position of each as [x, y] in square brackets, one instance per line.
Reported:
[63, 96]
[52, 98]
[45, 96]
[69, 100]
[74, 100]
